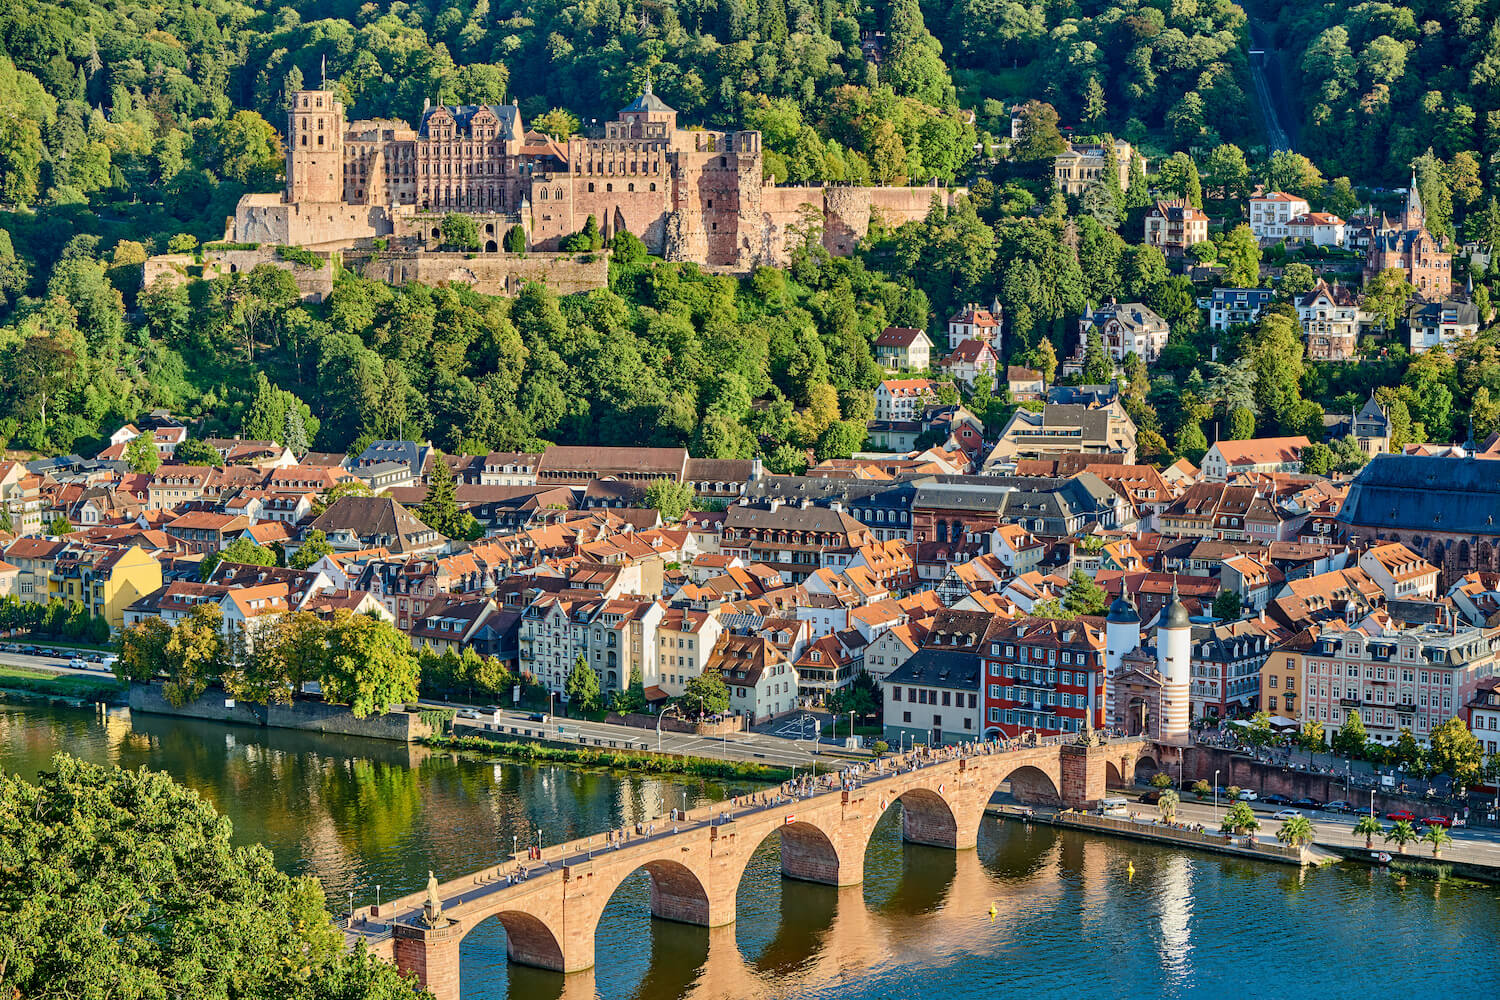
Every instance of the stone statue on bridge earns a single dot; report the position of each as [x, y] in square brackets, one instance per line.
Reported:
[432, 910]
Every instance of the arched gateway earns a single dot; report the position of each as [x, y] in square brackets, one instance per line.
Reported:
[551, 913]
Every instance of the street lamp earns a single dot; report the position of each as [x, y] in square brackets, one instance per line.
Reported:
[1216, 796]
[669, 708]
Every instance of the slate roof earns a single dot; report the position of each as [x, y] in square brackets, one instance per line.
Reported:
[463, 116]
[939, 668]
[1421, 493]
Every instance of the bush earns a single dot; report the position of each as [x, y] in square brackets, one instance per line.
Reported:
[298, 255]
[1161, 779]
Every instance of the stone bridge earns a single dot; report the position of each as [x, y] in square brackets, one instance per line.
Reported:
[550, 906]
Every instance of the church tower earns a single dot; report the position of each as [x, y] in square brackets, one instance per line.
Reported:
[315, 147]
[1415, 216]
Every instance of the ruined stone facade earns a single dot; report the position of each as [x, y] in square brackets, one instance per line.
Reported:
[689, 194]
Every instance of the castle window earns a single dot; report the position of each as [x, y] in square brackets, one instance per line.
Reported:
[557, 193]
[304, 140]
[653, 187]
[609, 187]
[630, 187]
[591, 187]
[320, 140]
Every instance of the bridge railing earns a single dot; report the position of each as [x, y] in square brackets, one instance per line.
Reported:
[519, 869]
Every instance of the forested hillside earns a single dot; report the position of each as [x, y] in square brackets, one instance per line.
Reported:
[1381, 83]
[129, 129]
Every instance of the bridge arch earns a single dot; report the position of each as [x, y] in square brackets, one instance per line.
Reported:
[810, 855]
[529, 940]
[1145, 767]
[1031, 784]
[1113, 778]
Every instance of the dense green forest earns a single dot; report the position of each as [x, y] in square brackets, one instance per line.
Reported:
[128, 129]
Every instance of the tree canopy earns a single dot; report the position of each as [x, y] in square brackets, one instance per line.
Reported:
[125, 884]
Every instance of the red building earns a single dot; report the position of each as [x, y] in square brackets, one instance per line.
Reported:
[1043, 675]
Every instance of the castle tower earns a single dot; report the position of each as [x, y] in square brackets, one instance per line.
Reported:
[1122, 634]
[649, 117]
[315, 147]
[1174, 654]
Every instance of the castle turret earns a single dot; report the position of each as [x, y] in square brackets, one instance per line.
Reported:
[1174, 653]
[315, 147]
[1122, 635]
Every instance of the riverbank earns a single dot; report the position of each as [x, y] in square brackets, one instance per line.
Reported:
[73, 689]
[531, 751]
[1173, 836]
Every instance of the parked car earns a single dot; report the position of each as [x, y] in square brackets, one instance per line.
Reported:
[1248, 795]
[1276, 800]
[539, 717]
[1340, 806]
[1285, 814]
[1151, 798]
[1307, 803]
[1442, 821]
[1400, 816]
[78, 663]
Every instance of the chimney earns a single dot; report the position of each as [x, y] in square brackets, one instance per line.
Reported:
[775, 503]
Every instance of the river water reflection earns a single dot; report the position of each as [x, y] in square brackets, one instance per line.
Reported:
[1070, 919]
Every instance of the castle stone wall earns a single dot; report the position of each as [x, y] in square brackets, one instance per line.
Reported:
[315, 283]
[489, 273]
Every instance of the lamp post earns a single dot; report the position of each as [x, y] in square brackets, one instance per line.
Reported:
[669, 708]
[851, 724]
[377, 896]
[1216, 796]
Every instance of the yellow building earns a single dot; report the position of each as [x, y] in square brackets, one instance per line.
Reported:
[1281, 679]
[106, 581]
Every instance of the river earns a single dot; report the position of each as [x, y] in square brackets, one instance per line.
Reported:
[1070, 917]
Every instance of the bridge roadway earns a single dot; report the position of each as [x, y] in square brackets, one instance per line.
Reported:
[551, 904]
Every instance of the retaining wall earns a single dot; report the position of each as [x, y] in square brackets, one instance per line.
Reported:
[308, 716]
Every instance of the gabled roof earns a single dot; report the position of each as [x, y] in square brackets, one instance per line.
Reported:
[899, 336]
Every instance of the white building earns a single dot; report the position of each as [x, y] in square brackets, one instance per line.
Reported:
[1402, 574]
[1322, 229]
[904, 398]
[1270, 214]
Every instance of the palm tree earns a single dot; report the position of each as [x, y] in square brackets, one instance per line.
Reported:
[1167, 804]
[1369, 827]
[1296, 831]
[1437, 837]
[1401, 834]
[1239, 818]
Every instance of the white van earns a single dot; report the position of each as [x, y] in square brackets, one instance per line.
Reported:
[1114, 806]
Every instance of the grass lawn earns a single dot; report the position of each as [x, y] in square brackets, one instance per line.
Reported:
[66, 685]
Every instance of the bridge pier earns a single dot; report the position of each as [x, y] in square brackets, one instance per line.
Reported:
[1083, 774]
[431, 954]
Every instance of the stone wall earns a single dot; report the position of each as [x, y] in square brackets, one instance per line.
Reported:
[490, 273]
[1271, 779]
[264, 218]
[315, 283]
[308, 716]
